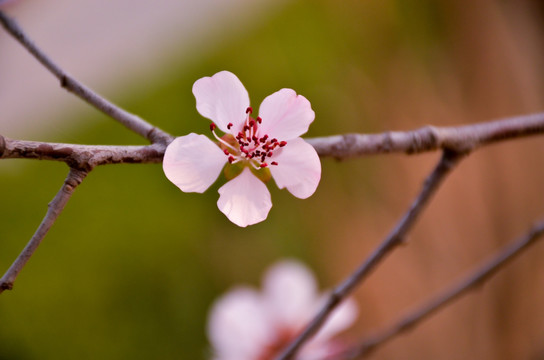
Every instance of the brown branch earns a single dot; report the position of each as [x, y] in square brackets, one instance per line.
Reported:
[131, 121]
[477, 278]
[446, 164]
[55, 207]
[80, 156]
[459, 138]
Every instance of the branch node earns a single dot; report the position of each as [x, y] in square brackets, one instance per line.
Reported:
[75, 178]
[64, 81]
[8, 285]
[388, 142]
[433, 136]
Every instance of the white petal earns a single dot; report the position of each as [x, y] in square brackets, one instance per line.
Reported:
[298, 169]
[193, 162]
[245, 200]
[223, 99]
[341, 318]
[285, 115]
[238, 326]
[290, 291]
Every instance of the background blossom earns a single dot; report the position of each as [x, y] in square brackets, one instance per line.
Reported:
[246, 324]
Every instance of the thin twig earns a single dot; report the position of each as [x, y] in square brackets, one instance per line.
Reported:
[429, 138]
[55, 207]
[131, 121]
[446, 164]
[80, 156]
[477, 278]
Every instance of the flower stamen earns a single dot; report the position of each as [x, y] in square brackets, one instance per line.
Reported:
[212, 128]
[250, 146]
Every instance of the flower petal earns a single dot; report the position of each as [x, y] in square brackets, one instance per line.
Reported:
[238, 326]
[193, 162]
[290, 291]
[223, 99]
[341, 318]
[245, 200]
[285, 115]
[298, 169]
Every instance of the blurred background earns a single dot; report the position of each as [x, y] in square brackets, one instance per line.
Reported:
[132, 266]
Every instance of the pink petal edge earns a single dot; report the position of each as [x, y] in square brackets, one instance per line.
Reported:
[223, 99]
[245, 200]
[290, 291]
[238, 325]
[285, 115]
[193, 162]
[298, 169]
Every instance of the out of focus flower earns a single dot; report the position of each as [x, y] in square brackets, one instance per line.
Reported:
[254, 149]
[245, 324]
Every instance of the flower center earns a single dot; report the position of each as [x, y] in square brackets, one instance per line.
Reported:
[249, 145]
[281, 340]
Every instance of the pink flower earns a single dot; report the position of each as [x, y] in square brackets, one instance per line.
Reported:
[248, 325]
[253, 149]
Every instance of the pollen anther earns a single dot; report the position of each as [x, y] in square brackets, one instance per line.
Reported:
[251, 148]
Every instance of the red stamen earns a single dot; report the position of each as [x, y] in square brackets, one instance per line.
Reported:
[212, 126]
[250, 147]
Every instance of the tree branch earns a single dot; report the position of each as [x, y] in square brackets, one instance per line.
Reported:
[131, 121]
[478, 277]
[459, 138]
[446, 164]
[55, 207]
[80, 156]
